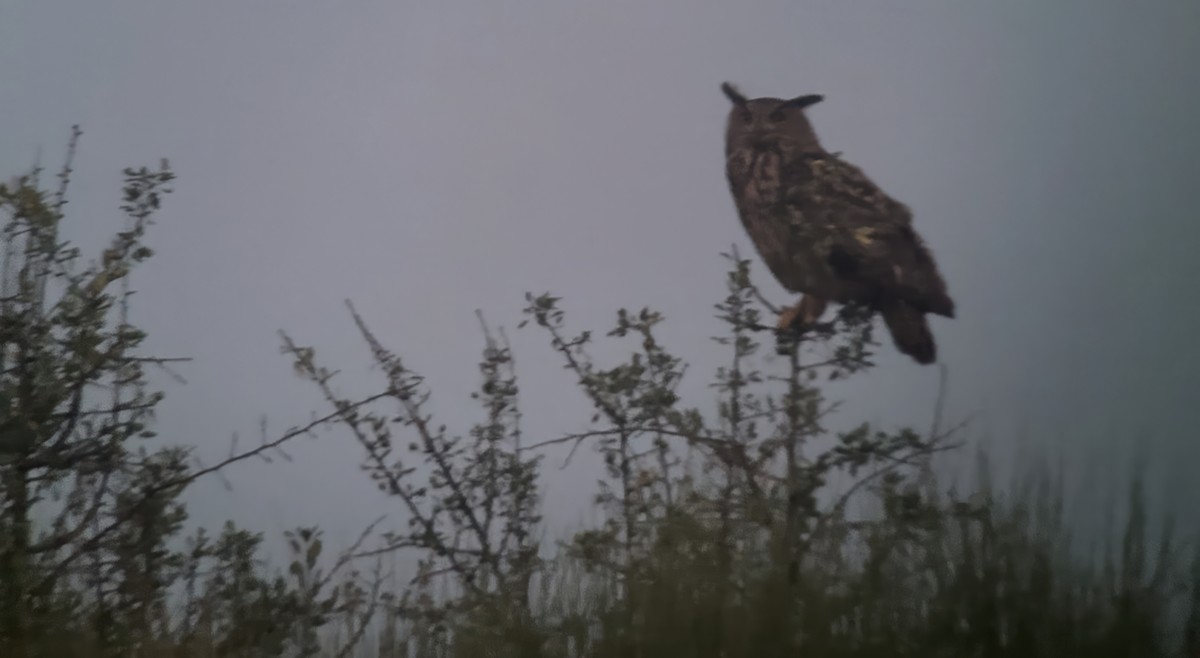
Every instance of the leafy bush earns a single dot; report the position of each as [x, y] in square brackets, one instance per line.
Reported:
[745, 528]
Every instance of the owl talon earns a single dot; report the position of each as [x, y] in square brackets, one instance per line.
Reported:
[787, 333]
[803, 315]
[788, 317]
[794, 321]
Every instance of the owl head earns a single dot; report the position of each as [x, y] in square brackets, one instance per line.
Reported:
[760, 121]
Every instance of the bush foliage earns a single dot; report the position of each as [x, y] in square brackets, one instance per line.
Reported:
[744, 528]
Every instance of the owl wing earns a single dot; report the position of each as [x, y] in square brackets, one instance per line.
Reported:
[866, 236]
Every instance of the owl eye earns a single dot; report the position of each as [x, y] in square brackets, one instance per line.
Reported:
[747, 117]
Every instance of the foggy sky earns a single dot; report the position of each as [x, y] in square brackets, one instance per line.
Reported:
[428, 159]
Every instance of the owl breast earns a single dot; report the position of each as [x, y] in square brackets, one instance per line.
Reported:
[766, 183]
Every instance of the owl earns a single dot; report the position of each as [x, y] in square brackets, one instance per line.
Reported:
[824, 229]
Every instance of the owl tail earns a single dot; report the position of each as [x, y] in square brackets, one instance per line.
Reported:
[910, 331]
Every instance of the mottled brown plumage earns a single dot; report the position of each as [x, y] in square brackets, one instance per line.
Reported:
[823, 228]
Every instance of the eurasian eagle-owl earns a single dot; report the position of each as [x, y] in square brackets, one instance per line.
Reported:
[823, 228]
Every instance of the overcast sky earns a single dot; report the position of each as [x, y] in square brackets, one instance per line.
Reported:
[427, 159]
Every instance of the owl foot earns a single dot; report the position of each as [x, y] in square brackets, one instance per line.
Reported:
[787, 317]
[806, 312]
[794, 320]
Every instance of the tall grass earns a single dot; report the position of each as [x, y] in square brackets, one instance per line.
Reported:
[1004, 576]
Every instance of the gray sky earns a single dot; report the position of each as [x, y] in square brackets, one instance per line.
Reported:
[428, 159]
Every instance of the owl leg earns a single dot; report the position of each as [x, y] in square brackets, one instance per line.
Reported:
[788, 316]
[806, 312]
[793, 320]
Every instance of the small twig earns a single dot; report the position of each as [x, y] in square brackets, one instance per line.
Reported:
[940, 402]
[350, 553]
[758, 295]
[184, 481]
[567, 460]
[369, 614]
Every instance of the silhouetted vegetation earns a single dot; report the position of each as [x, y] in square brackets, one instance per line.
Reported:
[741, 528]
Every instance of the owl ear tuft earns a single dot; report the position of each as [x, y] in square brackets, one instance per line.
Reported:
[734, 95]
[801, 102]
